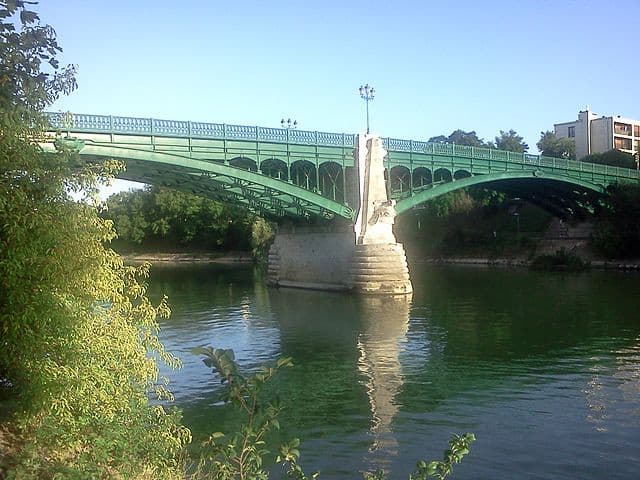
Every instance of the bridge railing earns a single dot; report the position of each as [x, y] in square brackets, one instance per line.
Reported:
[80, 122]
[451, 149]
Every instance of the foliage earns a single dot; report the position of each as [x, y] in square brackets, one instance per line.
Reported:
[452, 203]
[511, 141]
[551, 146]
[30, 75]
[460, 137]
[262, 234]
[169, 219]
[78, 335]
[458, 448]
[617, 230]
[613, 157]
[561, 260]
[241, 455]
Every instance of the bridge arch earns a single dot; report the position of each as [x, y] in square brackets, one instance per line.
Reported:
[422, 177]
[275, 168]
[400, 179]
[442, 175]
[331, 179]
[259, 193]
[570, 185]
[460, 174]
[304, 174]
[245, 163]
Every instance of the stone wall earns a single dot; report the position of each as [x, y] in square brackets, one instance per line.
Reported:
[308, 259]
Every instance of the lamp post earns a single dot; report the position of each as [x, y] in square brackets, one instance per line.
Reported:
[367, 93]
[636, 157]
[288, 123]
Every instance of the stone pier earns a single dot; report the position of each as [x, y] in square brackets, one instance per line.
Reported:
[365, 258]
[379, 264]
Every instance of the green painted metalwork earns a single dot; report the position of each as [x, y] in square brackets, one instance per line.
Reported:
[295, 173]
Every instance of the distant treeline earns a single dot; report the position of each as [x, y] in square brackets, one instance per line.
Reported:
[158, 218]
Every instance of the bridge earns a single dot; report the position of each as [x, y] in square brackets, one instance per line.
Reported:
[339, 179]
[292, 173]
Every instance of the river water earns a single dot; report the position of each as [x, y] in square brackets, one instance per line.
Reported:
[544, 368]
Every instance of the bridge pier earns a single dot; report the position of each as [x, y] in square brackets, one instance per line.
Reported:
[365, 258]
[311, 257]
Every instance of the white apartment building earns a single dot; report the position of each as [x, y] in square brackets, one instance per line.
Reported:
[594, 134]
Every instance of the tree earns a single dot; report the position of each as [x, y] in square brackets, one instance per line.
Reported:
[613, 157]
[460, 137]
[511, 141]
[551, 146]
[78, 336]
[617, 228]
[163, 218]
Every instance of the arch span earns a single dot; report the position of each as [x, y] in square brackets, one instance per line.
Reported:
[259, 193]
[496, 178]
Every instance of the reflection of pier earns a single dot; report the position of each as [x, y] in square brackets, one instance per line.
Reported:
[385, 324]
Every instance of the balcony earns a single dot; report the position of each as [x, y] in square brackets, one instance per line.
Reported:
[622, 128]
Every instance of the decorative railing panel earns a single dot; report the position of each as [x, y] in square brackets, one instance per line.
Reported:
[419, 147]
[273, 134]
[211, 130]
[330, 139]
[88, 122]
[398, 145]
[302, 136]
[241, 132]
[170, 127]
[131, 125]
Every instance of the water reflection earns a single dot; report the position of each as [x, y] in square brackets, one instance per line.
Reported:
[384, 330]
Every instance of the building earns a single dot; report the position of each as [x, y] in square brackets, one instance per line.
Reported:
[594, 134]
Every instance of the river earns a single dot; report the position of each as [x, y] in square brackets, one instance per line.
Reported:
[544, 368]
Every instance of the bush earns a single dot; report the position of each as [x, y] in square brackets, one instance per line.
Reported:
[560, 260]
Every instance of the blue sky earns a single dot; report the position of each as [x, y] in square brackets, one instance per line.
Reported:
[436, 66]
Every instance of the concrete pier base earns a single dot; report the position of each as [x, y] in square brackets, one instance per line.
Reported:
[379, 269]
[311, 259]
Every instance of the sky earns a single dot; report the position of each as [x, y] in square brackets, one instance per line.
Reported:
[435, 66]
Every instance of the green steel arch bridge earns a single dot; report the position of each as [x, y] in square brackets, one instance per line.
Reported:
[295, 173]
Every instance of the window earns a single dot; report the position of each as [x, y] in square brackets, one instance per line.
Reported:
[622, 143]
[636, 130]
[572, 131]
[621, 128]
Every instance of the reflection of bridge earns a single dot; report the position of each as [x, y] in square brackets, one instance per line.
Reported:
[294, 173]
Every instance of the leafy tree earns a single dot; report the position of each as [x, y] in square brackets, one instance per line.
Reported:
[551, 146]
[164, 218]
[439, 139]
[613, 157]
[617, 229]
[78, 336]
[511, 141]
[460, 137]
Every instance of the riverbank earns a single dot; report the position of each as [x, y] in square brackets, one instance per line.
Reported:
[217, 257]
[632, 265]
[244, 257]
